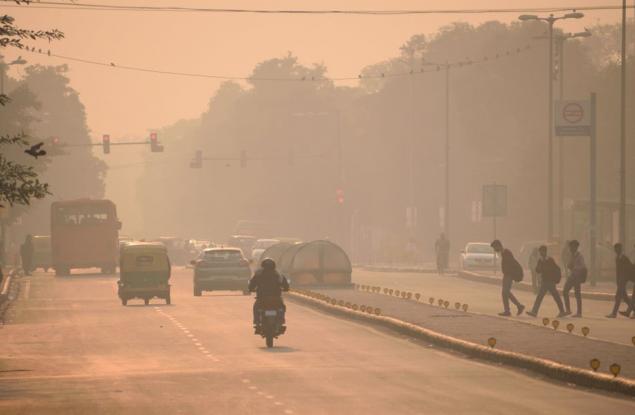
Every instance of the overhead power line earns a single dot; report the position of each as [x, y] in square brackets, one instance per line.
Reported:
[421, 69]
[395, 12]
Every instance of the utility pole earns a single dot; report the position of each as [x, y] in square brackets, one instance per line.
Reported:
[623, 234]
[550, 20]
[447, 153]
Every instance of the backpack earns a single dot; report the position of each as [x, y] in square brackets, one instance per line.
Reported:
[517, 271]
[555, 272]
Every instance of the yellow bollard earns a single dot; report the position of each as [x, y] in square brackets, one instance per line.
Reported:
[377, 311]
[431, 300]
[397, 293]
[545, 321]
[491, 342]
[355, 307]
[333, 301]
[385, 290]
[440, 302]
[570, 327]
[585, 331]
[457, 306]
[555, 324]
[465, 307]
[615, 369]
[633, 340]
[409, 296]
[362, 308]
[446, 304]
[340, 303]
[595, 364]
[347, 305]
[417, 296]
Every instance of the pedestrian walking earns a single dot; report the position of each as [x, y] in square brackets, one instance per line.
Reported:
[550, 274]
[512, 271]
[532, 263]
[442, 249]
[577, 276]
[623, 269]
[26, 254]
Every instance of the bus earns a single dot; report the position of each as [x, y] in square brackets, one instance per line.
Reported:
[84, 234]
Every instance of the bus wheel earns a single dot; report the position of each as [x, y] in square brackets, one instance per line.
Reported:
[124, 301]
[146, 301]
[167, 300]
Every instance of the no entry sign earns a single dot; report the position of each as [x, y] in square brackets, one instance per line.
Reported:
[573, 118]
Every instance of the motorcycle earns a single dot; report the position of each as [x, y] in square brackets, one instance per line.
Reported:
[270, 321]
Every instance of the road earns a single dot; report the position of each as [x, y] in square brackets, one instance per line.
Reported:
[69, 347]
[486, 298]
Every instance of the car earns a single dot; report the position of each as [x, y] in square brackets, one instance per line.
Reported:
[221, 269]
[478, 255]
[260, 246]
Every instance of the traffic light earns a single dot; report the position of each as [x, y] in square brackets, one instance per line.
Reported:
[243, 159]
[197, 161]
[340, 196]
[155, 147]
[105, 143]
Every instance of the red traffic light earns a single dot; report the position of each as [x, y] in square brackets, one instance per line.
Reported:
[155, 147]
[153, 136]
[340, 196]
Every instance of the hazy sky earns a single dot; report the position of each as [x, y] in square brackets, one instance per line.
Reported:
[126, 103]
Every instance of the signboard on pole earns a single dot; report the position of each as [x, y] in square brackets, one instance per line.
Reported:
[494, 200]
[573, 118]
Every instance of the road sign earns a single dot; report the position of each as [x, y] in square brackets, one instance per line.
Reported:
[494, 200]
[573, 118]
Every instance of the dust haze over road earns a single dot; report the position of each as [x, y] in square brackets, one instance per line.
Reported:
[160, 160]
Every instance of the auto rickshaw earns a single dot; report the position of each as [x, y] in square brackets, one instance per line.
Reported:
[144, 272]
[42, 252]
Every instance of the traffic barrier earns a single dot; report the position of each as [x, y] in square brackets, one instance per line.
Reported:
[555, 370]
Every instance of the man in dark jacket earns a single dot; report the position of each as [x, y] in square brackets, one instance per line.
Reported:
[550, 274]
[510, 268]
[268, 285]
[623, 270]
[577, 276]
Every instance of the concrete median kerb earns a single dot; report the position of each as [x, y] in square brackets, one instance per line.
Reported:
[554, 370]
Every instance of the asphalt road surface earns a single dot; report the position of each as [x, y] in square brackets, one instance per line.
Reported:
[486, 298]
[70, 347]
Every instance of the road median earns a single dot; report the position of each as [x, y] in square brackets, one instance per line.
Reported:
[399, 314]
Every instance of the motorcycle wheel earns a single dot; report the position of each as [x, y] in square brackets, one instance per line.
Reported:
[269, 340]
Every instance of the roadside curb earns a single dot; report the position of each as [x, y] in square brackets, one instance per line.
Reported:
[415, 270]
[523, 286]
[544, 367]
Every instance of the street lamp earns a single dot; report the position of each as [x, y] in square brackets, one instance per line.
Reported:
[18, 61]
[551, 20]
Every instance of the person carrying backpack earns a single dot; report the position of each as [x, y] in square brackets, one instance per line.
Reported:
[623, 271]
[512, 271]
[577, 276]
[551, 276]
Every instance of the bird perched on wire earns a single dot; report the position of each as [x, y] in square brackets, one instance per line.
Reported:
[36, 150]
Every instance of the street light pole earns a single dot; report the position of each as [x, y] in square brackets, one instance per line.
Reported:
[623, 235]
[446, 221]
[551, 20]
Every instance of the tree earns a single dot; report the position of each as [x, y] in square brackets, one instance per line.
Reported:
[19, 183]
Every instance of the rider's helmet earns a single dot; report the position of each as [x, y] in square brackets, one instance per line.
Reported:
[268, 264]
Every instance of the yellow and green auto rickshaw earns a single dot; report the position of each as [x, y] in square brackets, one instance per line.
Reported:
[144, 272]
[42, 252]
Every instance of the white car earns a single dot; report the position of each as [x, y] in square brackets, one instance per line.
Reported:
[478, 255]
[261, 246]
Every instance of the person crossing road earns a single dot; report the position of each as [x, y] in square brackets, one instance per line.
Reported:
[512, 271]
[550, 275]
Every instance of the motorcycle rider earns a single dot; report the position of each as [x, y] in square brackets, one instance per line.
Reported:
[268, 285]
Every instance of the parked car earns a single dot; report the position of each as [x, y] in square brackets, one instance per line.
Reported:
[478, 255]
[259, 247]
[221, 269]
